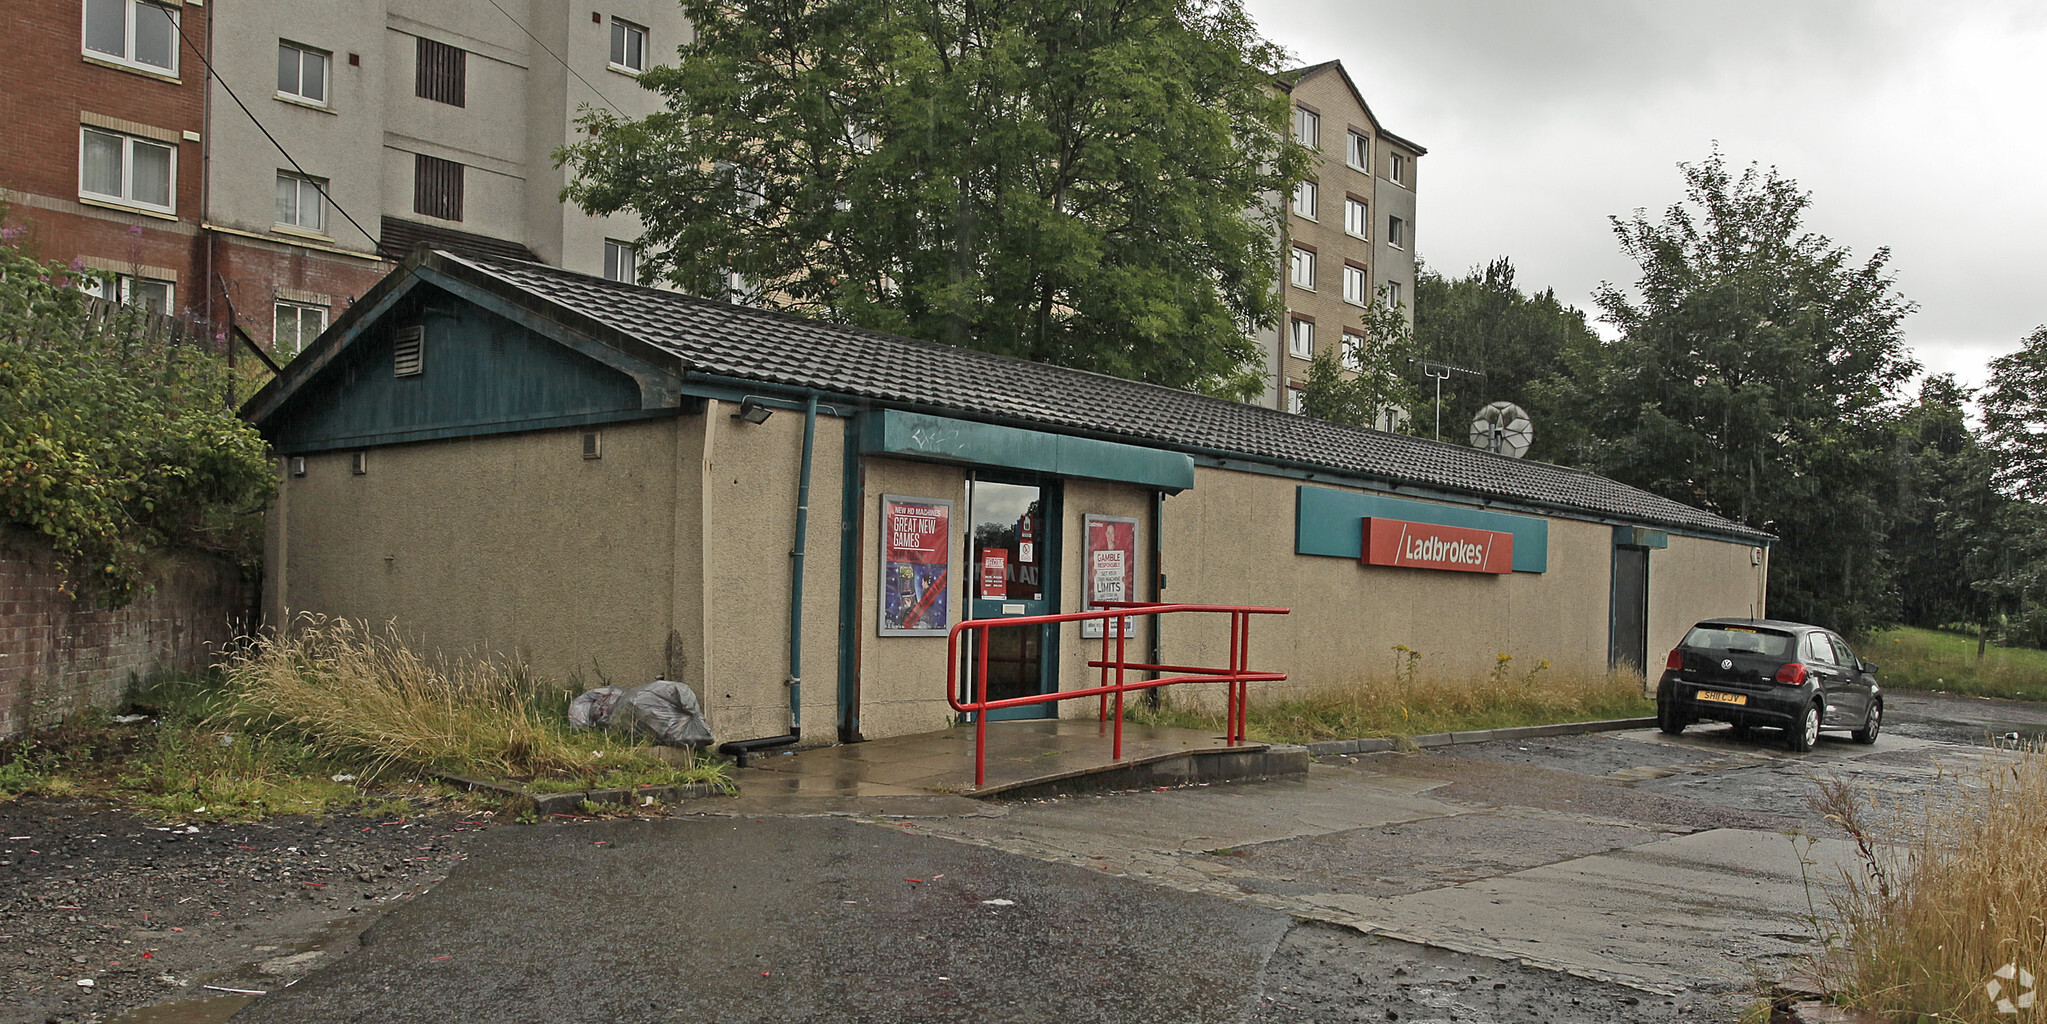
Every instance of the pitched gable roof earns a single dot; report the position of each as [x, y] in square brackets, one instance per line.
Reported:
[1289, 79]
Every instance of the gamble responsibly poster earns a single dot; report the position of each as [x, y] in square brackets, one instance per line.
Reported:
[916, 566]
[1111, 567]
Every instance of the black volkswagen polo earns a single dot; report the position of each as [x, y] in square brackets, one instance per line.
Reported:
[1786, 675]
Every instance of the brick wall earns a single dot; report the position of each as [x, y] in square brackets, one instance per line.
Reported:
[59, 654]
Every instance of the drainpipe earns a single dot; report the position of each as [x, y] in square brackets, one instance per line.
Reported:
[739, 749]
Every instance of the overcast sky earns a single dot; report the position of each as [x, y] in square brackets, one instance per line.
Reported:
[1918, 127]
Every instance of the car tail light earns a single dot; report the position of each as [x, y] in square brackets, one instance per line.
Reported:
[1791, 674]
[1676, 660]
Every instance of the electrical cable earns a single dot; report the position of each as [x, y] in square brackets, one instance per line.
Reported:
[558, 58]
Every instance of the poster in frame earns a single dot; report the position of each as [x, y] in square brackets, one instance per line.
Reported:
[916, 566]
[1108, 569]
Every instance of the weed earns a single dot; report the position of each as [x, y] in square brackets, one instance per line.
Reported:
[1927, 659]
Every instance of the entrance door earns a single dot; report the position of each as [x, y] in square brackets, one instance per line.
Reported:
[1014, 570]
[1630, 646]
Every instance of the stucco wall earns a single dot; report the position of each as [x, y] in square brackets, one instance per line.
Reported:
[512, 544]
[902, 678]
[1094, 497]
[1695, 579]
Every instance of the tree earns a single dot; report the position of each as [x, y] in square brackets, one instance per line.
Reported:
[1073, 181]
[1483, 322]
[1366, 386]
[1755, 376]
[2015, 417]
[1948, 537]
[114, 437]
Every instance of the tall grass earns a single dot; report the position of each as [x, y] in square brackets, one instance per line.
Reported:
[363, 698]
[1929, 659]
[1944, 894]
[1412, 702]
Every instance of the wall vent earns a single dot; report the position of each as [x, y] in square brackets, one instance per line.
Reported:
[360, 464]
[593, 444]
[408, 352]
[298, 465]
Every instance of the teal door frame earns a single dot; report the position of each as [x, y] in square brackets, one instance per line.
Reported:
[1051, 509]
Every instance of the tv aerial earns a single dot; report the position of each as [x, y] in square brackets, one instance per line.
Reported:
[1440, 372]
[1503, 428]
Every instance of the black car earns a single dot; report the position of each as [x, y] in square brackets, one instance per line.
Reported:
[1786, 675]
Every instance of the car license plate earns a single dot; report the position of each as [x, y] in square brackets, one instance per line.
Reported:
[1722, 698]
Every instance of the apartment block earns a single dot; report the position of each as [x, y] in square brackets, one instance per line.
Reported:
[332, 138]
[1348, 229]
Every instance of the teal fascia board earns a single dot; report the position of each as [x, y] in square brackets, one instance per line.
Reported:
[941, 439]
[1327, 522]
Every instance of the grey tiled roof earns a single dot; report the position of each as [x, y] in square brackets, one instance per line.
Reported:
[736, 341]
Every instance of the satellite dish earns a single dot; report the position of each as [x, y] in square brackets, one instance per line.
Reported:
[1503, 428]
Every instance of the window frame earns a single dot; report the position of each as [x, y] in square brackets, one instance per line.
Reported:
[326, 98]
[299, 308]
[1300, 337]
[126, 198]
[1308, 126]
[1303, 257]
[319, 186]
[1396, 232]
[1296, 399]
[1361, 295]
[621, 37]
[1358, 155]
[629, 272]
[1393, 299]
[1359, 226]
[1396, 168]
[124, 287]
[1308, 190]
[1353, 354]
[129, 18]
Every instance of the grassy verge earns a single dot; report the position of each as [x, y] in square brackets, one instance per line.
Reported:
[1412, 702]
[1923, 926]
[329, 716]
[1928, 659]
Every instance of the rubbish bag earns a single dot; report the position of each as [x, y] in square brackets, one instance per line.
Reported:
[664, 711]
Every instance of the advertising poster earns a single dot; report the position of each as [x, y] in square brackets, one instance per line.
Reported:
[995, 576]
[916, 566]
[1109, 565]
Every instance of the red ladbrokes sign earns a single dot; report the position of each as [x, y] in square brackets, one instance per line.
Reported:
[1426, 546]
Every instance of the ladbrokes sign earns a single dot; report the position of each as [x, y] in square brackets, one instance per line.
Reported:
[1425, 546]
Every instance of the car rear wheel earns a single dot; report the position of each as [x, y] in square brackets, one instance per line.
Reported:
[1871, 725]
[1805, 735]
[1669, 718]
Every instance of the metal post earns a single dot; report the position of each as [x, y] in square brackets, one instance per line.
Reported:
[981, 712]
[1116, 748]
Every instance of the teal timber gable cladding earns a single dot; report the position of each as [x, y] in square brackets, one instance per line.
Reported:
[964, 442]
[1326, 523]
[483, 373]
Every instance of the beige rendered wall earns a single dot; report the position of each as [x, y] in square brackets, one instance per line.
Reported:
[1094, 497]
[1694, 579]
[902, 678]
[1231, 540]
[513, 545]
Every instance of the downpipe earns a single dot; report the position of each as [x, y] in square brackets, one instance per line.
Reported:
[740, 749]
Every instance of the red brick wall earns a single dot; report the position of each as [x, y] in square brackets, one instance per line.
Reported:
[59, 654]
[251, 272]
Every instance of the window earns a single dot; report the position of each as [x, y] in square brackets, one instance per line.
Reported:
[1355, 290]
[1357, 217]
[129, 290]
[1296, 399]
[1393, 294]
[1304, 199]
[1398, 167]
[301, 202]
[1359, 155]
[1307, 127]
[628, 46]
[297, 325]
[1355, 346]
[1304, 268]
[133, 32]
[621, 261]
[436, 187]
[1301, 338]
[302, 73]
[442, 73]
[125, 169]
[1396, 232]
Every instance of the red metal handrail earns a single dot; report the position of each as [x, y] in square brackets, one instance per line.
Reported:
[1235, 676]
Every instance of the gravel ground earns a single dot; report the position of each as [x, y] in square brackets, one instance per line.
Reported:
[103, 911]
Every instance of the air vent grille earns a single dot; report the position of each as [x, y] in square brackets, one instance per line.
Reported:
[408, 352]
[593, 444]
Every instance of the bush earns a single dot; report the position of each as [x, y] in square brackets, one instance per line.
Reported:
[115, 433]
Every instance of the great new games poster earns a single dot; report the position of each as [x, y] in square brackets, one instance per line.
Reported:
[916, 565]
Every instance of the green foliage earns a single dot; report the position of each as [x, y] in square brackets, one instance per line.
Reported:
[1520, 342]
[115, 438]
[2015, 417]
[1909, 658]
[1374, 392]
[1067, 181]
[1951, 528]
[1755, 377]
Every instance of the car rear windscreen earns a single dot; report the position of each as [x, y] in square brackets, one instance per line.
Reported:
[1741, 640]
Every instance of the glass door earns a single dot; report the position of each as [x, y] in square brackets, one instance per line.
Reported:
[1014, 553]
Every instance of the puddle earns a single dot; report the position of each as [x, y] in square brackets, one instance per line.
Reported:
[278, 969]
[187, 1011]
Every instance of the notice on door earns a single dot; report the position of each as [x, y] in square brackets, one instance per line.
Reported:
[1111, 566]
[916, 566]
[994, 575]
